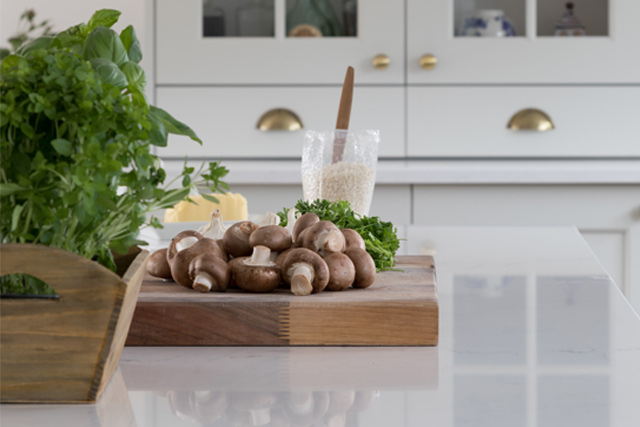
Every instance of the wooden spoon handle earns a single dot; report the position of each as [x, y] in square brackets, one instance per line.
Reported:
[344, 114]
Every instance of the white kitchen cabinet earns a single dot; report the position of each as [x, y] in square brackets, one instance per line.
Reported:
[225, 118]
[184, 56]
[534, 56]
[607, 215]
[471, 121]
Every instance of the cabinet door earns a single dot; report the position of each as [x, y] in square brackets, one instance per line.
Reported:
[225, 118]
[185, 56]
[608, 53]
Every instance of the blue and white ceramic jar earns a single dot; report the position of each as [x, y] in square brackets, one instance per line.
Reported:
[488, 23]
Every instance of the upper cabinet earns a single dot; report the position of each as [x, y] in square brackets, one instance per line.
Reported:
[523, 41]
[271, 42]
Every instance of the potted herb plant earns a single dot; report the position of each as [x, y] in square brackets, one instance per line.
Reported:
[78, 181]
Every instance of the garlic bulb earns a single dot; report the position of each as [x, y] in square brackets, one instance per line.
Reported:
[214, 229]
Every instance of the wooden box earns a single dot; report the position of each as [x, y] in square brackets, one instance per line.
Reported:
[65, 349]
[399, 309]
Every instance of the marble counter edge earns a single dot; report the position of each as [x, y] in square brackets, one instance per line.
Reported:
[435, 172]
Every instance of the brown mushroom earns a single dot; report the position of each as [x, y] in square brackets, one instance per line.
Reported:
[365, 267]
[275, 237]
[184, 247]
[282, 256]
[303, 222]
[305, 271]
[353, 239]
[341, 271]
[209, 272]
[323, 237]
[157, 265]
[256, 273]
[236, 238]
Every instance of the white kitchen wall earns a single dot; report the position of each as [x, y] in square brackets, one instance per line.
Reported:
[65, 13]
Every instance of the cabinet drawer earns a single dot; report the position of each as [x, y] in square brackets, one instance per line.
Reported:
[472, 121]
[225, 119]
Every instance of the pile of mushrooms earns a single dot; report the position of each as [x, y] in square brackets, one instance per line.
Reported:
[309, 256]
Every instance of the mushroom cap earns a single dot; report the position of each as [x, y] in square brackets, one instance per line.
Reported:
[342, 272]
[180, 261]
[323, 237]
[157, 266]
[255, 278]
[282, 256]
[353, 239]
[315, 261]
[275, 237]
[172, 250]
[236, 238]
[303, 222]
[216, 268]
[365, 267]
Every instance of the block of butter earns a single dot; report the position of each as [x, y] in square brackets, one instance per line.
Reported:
[233, 207]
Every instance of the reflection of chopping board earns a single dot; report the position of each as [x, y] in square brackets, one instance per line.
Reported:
[401, 308]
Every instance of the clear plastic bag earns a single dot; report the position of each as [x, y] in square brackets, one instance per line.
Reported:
[340, 165]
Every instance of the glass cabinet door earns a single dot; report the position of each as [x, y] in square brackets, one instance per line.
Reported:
[523, 41]
[279, 41]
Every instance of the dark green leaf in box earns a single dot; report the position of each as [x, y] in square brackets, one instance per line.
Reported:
[104, 18]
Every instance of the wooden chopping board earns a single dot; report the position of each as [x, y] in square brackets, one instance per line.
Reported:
[399, 309]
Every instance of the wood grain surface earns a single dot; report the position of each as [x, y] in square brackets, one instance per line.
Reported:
[400, 308]
[63, 350]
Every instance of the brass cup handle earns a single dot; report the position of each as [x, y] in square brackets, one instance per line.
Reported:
[531, 119]
[381, 62]
[428, 62]
[279, 119]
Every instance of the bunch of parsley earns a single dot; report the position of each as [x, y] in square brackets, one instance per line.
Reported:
[76, 134]
[380, 237]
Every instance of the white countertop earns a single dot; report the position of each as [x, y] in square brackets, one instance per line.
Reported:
[532, 333]
[447, 171]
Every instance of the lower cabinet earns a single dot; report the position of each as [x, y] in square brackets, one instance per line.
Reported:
[608, 217]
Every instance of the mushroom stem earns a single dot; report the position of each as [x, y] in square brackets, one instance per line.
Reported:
[301, 278]
[203, 282]
[330, 241]
[185, 243]
[261, 255]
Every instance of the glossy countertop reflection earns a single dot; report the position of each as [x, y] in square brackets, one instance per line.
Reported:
[532, 333]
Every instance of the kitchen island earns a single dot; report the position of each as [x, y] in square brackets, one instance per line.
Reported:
[533, 332]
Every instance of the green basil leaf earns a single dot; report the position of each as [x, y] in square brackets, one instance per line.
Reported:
[40, 43]
[131, 43]
[8, 188]
[105, 43]
[210, 198]
[158, 132]
[103, 17]
[71, 36]
[62, 146]
[109, 72]
[172, 125]
[135, 75]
